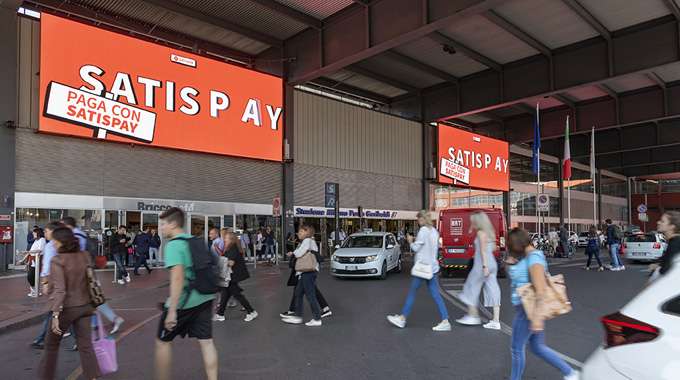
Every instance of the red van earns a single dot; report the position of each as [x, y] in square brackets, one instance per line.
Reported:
[457, 242]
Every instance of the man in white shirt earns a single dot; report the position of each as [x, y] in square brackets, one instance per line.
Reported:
[217, 246]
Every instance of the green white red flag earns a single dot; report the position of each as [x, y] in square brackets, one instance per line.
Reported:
[566, 165]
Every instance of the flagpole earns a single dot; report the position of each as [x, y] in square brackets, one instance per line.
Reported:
[593, 175]
[538, 173]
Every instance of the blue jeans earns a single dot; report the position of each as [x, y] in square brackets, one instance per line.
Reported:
[122, 272]
[433, 286]
[46, 325]
[614, 254]
[521, 335]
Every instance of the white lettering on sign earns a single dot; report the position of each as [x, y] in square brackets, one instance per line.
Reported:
[456, 226]
[477, 160]
[454, 171]
[97, 112]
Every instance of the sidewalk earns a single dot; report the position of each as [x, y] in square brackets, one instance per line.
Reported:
[17, 310]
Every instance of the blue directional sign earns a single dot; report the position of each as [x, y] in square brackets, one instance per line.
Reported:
[332, 191]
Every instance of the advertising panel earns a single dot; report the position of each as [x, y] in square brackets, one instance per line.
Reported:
[101, 84]
[470, 160]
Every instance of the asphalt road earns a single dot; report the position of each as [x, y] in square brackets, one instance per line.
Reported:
[356, 342]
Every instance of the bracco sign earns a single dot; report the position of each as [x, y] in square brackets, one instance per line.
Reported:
[98, 83]
[472, 160]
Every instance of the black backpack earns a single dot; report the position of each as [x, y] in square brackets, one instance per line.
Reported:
[204, 264]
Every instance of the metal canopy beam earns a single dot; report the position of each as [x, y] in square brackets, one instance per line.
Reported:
[565, 100]
[588, 18]
[517, 32]
[216, 21]
[673, 7]
[392, 24]
[140, 29]
[348, 90]
[608, 90]
[446, 40]
[637, 52]
[291, 13]
[418, 65]
[382, 78]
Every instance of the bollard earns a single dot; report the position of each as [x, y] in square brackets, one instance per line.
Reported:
[115, 270]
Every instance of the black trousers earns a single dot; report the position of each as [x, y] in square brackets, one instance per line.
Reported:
[322, 301]
[591, 253]
[140, 259]
[233, 291]
[30, 276]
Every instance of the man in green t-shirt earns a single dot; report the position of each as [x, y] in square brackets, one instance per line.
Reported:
[183, 314]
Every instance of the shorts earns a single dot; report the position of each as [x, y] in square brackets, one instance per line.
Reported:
[195, 322]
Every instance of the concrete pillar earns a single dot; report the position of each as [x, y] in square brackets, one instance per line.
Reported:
[288, 198]
[8, 117]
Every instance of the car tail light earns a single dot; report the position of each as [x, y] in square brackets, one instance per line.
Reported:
[621, 330]
[625, 246]
[657, 245]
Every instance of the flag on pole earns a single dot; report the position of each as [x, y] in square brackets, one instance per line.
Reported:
[536, 163]
[592, 154]
[566, 165]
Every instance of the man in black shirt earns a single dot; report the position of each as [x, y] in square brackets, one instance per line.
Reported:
[669, 225]
[119, 251]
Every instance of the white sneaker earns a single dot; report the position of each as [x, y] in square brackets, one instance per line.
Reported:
[294, 320]
[287, 314]
[128, 279]
[121, 282]
[251, 316]
[469, 320]
[622, 267]
[116, 325]
[575, 375]
[219, 318]
[397, 320]
[326, 312]
[493, 325]
[313, 323]
[443, 326]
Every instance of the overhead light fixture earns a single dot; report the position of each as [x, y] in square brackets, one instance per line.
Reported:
[449, 49]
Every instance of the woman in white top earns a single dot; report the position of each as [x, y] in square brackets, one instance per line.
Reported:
[426, 247]
[306, 285]
[36, 250]
[482, 275]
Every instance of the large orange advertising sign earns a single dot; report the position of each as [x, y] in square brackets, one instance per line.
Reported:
[101, 84]
[470, 160]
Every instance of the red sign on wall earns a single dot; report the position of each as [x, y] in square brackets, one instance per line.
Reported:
[468, 159]
[6, 233]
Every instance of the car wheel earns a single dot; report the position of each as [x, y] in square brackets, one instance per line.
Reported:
[399, 267]
[383, 272]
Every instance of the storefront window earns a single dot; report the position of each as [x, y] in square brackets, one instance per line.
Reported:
[614, 187]
[448, 197]
[88, 220]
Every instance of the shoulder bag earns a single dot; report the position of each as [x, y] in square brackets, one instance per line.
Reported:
[306, 263]
[423, 270]
[94, 287]
[555, 300]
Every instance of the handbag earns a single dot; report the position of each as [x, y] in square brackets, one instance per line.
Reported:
[422, 270]
[95, 288]
[105, 349]
[306, 263]
[555, 300]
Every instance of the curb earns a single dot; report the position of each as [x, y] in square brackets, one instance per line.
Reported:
[34, 319]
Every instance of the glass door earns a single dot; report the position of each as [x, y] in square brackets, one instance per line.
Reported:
[197, 224]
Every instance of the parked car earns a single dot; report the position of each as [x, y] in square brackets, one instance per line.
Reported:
[644, 247]
[457, 249]
[641, 339]
[367, 254]
[582, 239]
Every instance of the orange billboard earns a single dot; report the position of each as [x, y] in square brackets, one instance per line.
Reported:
[104, 85]
[469, 160]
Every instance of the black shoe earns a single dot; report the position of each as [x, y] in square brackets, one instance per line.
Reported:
[38, 345]
[149, 270]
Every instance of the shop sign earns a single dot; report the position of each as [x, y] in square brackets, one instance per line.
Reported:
[322, 212]
[643, 217]
[118, 88]
[5, 218]
[484, 159]
[6, 234]
[153, 206]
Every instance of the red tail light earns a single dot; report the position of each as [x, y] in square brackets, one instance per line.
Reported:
[657, 245]
[621, 330]
[625, 246]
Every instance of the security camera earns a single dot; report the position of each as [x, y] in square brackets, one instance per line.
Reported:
[448, 49]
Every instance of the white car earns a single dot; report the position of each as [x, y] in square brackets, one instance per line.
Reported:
[583, 239]
[644, 247]
[372, 254]
[642, 339]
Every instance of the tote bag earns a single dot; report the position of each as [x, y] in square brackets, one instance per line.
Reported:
[555, 300]
[306, 263]
[104, 349]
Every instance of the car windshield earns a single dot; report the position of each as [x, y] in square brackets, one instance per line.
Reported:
[363, 242]
[647, 238]
[583, 234]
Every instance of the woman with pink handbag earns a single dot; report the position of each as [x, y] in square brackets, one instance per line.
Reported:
[70, 303]
[425, 270]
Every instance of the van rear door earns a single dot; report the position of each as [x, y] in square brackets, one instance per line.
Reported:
[455, 232]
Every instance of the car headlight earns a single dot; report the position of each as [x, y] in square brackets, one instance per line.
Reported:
[335, 258]
[371, 258]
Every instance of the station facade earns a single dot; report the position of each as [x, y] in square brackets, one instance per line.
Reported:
[110, 140]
